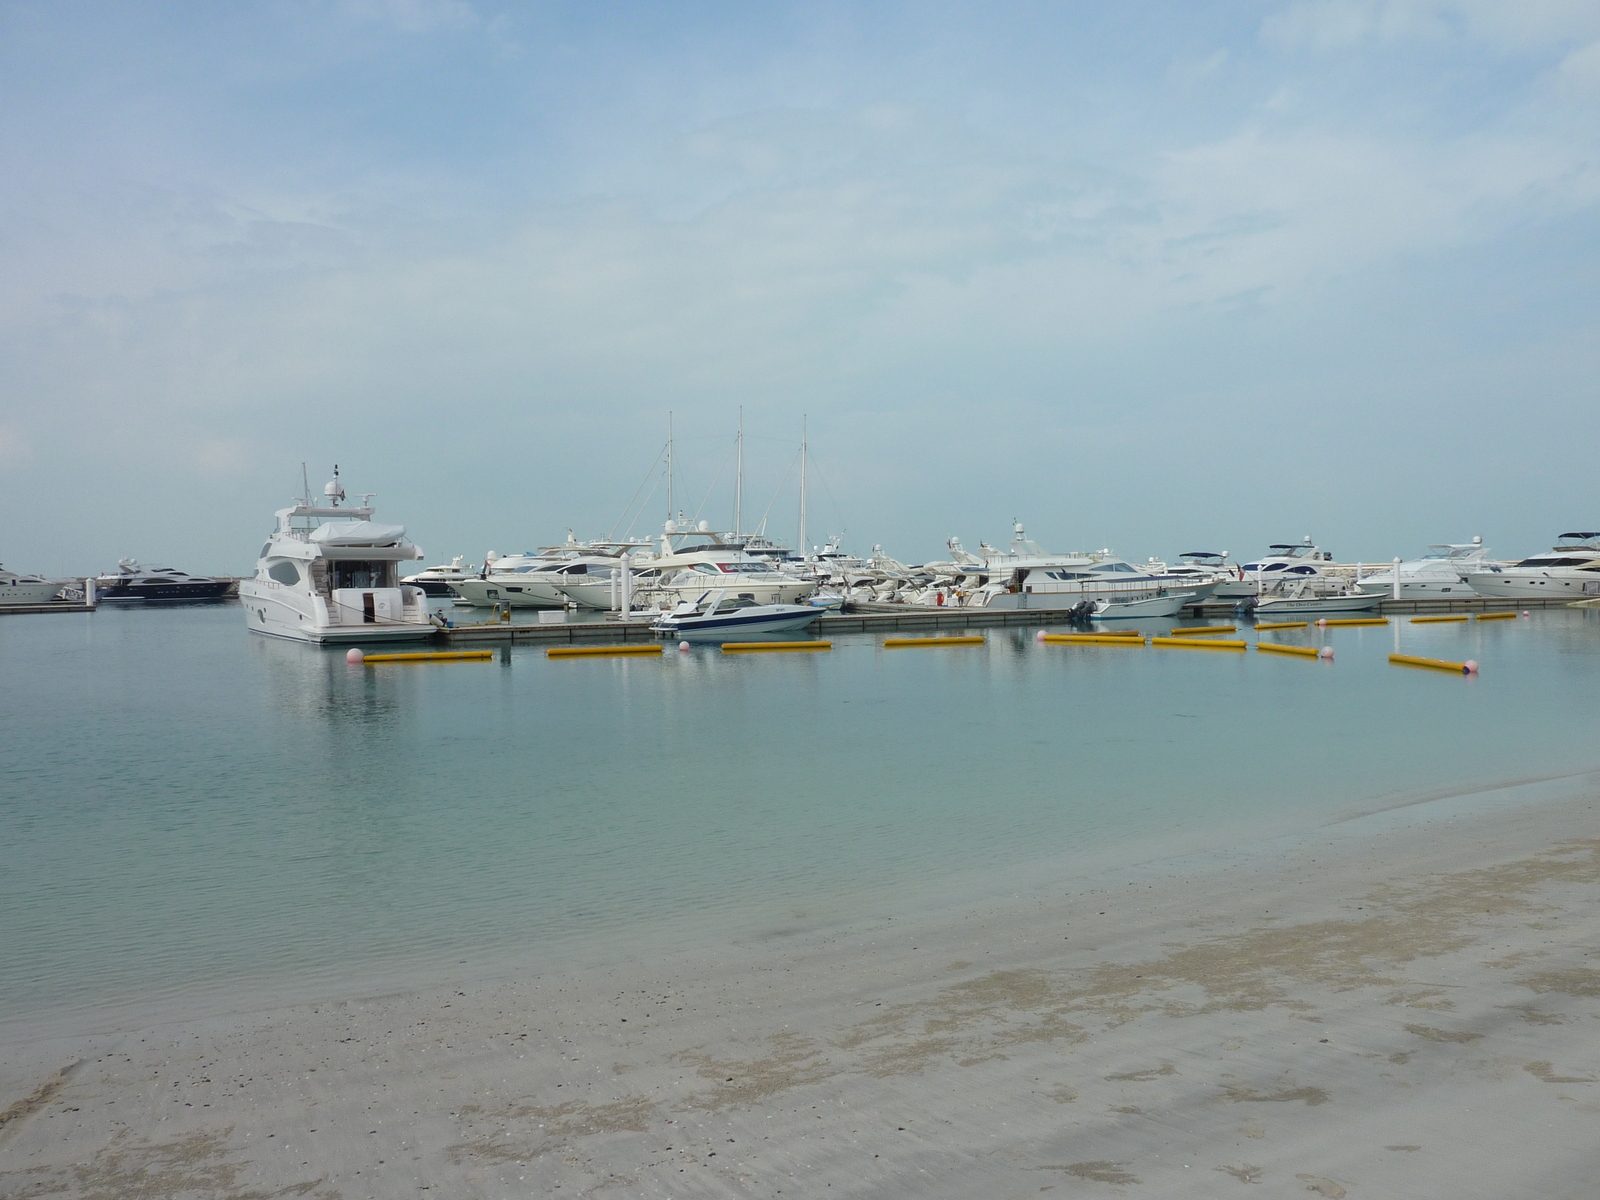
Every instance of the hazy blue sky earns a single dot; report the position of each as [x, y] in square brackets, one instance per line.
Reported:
[1151, 276]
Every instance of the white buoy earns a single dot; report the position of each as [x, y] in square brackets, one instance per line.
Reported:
[1471, 665]
[683, 645]
[1322, 622]
[1326, 652]
[1525, 612]
[1040, 636]
[354, 656]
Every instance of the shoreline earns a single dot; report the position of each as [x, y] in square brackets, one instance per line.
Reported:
[1420, 977]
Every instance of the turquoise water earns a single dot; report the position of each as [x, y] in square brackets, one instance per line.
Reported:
[185, 804]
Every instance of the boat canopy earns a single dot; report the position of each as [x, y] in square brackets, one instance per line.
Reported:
[357, 533]
[1204, 554]
[1581, 536]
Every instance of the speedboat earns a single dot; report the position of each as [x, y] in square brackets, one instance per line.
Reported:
[440, 581]
[1305, 597]
[1029, 577]
[1287, 563]
[1570, 570]
[131, 582]
[716, 614]
[1443, 572]
[28, 589]
[1128, 610]
[330, 574]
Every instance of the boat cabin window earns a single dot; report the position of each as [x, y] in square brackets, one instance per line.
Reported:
[359, 574]
[1302, 570]
[285, 573]
[265, 550]
[1555, 562]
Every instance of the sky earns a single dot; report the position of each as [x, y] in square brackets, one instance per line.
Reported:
[1148, 276]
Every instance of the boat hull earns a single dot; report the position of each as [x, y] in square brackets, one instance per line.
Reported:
[1160, 606]
[299, 617]
[1518, 585]
[720, 626]
[30, 593]
[486, 593]
[1051, 601]
[158, 593]
[1300, 606]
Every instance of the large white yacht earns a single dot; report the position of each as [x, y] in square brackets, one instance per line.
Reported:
[537, 580]
[1570, 570]
[28, 589]
[692, 568]
[329, 573]
[1441, 572]
[1027, 576]
[1288, 563]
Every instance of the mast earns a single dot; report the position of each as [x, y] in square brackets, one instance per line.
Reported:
[738, 480]
[805, 554]
[669, 464]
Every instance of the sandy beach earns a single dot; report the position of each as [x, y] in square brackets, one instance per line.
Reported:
[1388, 1009]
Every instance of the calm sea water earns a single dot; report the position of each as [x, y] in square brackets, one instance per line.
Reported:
[185, 804]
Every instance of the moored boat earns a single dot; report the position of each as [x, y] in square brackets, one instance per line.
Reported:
[17, 589]
[716, 615]
[331, 574]
[132, 583]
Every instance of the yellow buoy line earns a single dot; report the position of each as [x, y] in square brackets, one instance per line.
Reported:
[901, 643]
[1437, 620]
[1280, 648]
[751, 647]
[1195, 644]
[1507, 616]
[598, 651]
[1197, 630]
[1437, 664]
[431, 656]
[1355, 621]
[1282, 625]
[1093, 639]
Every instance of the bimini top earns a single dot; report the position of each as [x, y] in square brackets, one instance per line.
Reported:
[357, 533]
[1581, 537]
[1204, 554]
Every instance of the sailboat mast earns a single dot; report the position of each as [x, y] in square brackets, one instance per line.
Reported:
[669, 465]
[738, 480]
[804, 552]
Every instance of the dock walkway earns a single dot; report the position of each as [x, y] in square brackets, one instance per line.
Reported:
[888, 618]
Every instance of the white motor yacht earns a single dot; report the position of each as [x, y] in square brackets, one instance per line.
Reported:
[1571, 570]
[1442, 572]
[1032, 578]
[28, 589]
[716, 615]
[1287, 563]
[440, 581]
[1314, 597]
[690, 569]
[331, 574]
[538, 581]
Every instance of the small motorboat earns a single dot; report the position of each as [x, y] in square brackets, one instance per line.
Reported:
[131, 582]
[716, 614]
[1302, 601]
[1117, 609]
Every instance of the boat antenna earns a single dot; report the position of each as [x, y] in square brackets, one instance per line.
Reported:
[738, 479]
[305, 486]
[804, 551]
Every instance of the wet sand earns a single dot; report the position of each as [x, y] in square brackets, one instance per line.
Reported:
[1389, 1009]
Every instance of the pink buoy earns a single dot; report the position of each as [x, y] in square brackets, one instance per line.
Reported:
[1526, 613]
[1326, 653]
[354, 657]
[1470, 667]
[1040, 636]
[683, 645]
[1322, 622]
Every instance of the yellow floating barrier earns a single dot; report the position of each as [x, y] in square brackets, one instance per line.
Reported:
[1195, 644]
[1093, 639]
[433, 656]
[1437, 620]
[1194, 630]
[743, 647]
[973, 640]
[1358, 621]
[1437, 664]
[1510, 616]
[595, 651]
[1278, 648]
[1282, 625]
